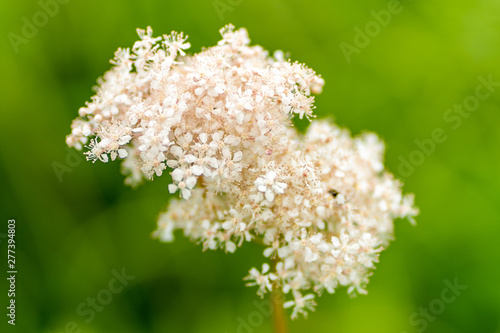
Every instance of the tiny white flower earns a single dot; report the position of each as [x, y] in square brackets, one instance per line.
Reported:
[268, 185]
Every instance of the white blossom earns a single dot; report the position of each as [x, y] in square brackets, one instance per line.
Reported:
[263, 280]
[269, 185]
[301, 304]
[218, 122]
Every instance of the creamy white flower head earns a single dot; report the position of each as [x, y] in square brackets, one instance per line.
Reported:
[219, 123]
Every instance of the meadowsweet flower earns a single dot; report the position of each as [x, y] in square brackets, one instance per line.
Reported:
[268, 185]
[301, 304]
[219, 123]
[263, 280]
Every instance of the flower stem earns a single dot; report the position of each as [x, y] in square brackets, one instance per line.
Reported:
[278, 313]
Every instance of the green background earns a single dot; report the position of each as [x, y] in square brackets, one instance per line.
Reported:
[72, 233]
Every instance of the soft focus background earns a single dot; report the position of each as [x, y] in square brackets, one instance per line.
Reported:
[74, 229]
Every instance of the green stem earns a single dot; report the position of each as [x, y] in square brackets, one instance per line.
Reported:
[279, 312]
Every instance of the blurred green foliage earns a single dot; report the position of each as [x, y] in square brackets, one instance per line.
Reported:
[72, 233]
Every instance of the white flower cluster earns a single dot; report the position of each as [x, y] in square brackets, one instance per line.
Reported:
[321, 203]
